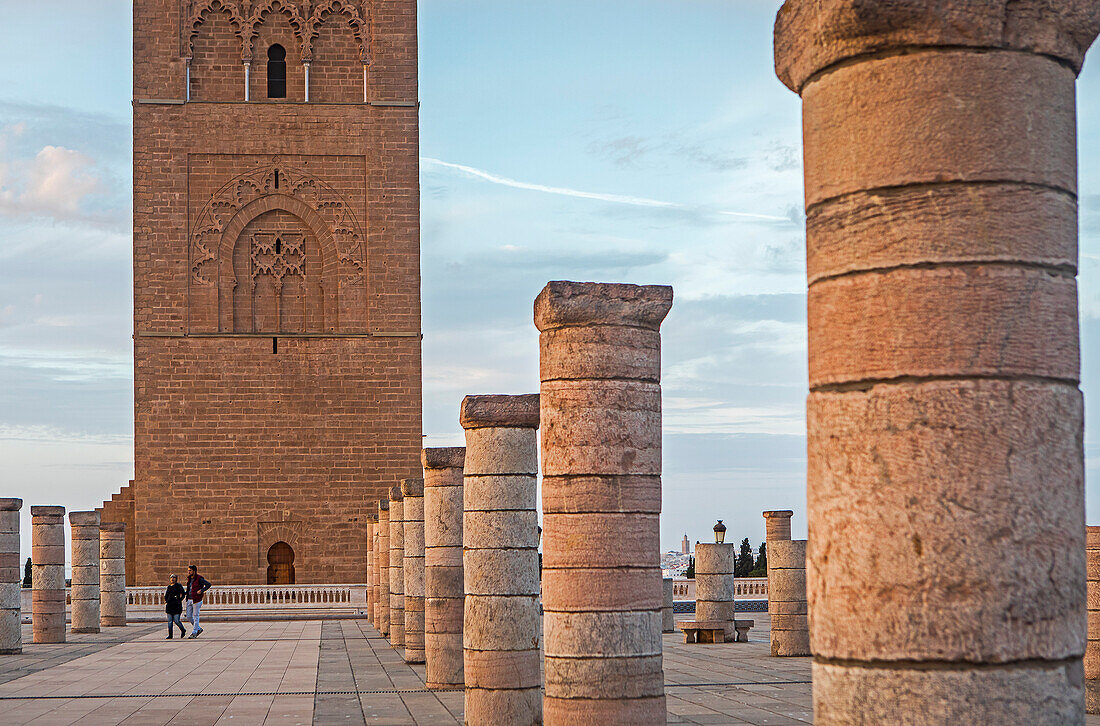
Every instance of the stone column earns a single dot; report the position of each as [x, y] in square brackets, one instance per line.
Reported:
[787, 608]
[790, 631]
[668, 615]
[112, 574]
[11, 577]
[412, 491]
[371, 591]
[944, 421]
[1092, 647]
[600, 367]
[48, 574]
[444, 589]
[500, 556]
[382, 567]
[714, 585]
[777, 526]
[397, 569]
[84, 593]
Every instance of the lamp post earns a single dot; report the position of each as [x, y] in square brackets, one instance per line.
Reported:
[719, 533]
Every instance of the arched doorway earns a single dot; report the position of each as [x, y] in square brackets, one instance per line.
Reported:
[280, 564]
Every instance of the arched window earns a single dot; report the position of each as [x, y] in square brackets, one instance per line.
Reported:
[276, 71]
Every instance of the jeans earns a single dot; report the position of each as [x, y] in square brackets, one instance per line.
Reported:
[174, 619]
[193, 614]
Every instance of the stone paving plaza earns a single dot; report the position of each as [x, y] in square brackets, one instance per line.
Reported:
[338, 672]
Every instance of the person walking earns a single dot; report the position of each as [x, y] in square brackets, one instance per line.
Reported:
[173, 605]
[196, 586]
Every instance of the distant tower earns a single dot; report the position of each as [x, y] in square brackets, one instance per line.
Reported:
[276, 284]
[685, 546]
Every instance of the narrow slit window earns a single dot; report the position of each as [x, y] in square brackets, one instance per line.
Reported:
[276, 71]
[276, 178]
[275, 346]
[278, 246]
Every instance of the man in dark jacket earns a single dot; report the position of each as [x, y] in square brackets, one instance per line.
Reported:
[196, 586]
[173, 605]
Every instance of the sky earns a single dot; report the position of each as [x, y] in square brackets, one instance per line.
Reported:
[644, 141]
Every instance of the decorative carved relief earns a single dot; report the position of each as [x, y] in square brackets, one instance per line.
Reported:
[270, 180]
[278, 255]
[304, 16]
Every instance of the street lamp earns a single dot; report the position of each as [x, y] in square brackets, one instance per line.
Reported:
[719, 533]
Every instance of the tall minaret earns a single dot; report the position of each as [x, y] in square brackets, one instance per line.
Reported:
[685, 546]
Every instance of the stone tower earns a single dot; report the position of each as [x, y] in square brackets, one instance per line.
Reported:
[685, 546]
[276, 283]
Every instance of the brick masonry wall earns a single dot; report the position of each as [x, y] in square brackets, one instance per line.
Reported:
[236, 446]
[120, 508]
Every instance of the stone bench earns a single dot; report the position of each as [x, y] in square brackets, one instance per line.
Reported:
[713, 631]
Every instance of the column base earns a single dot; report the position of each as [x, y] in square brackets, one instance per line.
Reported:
[112, 622]
[11, 651]
[1044, 694]
[612, 712]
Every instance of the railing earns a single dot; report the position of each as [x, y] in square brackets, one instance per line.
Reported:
[743, 587]
[261, 596]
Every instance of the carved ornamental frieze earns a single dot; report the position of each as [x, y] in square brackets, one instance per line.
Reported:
[304, 16]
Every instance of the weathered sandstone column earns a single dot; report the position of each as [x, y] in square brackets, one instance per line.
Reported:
[501, 565]
[11, 576]
[382, 566]
[371, 591]
[444, 589]
[787, 609]
[1092, 647]
[600, 366]
[944, 418]
[777, 526]
[48, 574]
[112, 574]
[668, 615]
[787, 597]
[84, 592]
[397, 569]
[412, 491]
[714, 585]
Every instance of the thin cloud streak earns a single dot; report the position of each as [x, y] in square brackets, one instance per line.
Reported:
[567, 192]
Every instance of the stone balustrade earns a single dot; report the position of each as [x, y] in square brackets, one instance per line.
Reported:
[260, 596]
[745, 588]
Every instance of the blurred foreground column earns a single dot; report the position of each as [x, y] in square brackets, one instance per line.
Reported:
[48, 574]
[443, 587]
[500, 559]
[600, 366]
[112, 574]
[412, 491]
[944, 420]
[84, 592]
[11, 577]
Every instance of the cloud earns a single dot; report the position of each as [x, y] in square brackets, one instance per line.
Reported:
[55, 183]
[483, 175]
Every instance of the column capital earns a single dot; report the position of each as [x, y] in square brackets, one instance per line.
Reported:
[412, 487]
[444, 457]
[10, 505]
[78, 519]
[567, 304]
[811, 35]
[496, 411]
